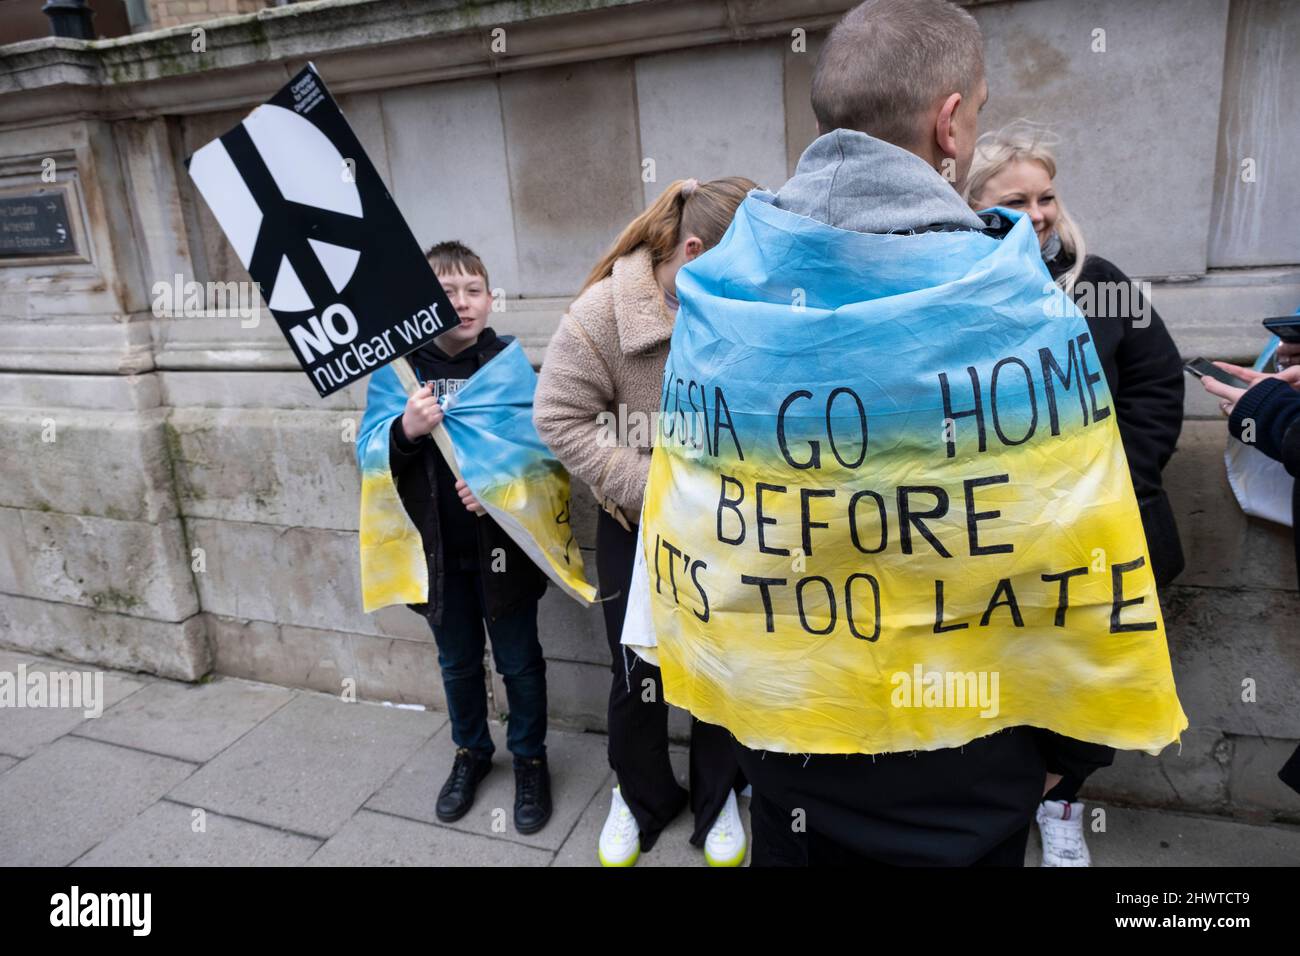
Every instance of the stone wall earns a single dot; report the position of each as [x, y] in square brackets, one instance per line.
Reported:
[197, 508]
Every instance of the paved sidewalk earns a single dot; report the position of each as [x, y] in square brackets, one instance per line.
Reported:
[233, 772]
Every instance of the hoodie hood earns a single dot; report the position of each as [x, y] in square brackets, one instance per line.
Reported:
[853, 181]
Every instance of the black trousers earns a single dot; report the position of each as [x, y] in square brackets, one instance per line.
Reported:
[638, 717]
[1067, 789]
[777, 843]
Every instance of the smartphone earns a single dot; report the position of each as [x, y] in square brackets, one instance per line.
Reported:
[1285, 327]
[1201, 367]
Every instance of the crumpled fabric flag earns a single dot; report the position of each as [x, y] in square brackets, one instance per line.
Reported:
[889, 508]
[497, 449]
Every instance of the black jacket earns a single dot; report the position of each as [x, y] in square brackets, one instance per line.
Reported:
[1145, 375]
[454, 539]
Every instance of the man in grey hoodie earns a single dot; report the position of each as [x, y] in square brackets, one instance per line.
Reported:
[897, 92]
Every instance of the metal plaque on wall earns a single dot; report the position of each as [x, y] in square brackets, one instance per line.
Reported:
[35, 224]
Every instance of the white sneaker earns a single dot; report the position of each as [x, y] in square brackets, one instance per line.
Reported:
[1060, 824]
[725, 844]
[620, 837]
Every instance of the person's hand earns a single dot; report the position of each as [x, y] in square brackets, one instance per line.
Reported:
[423, 413]
[1231, 395]
[1288, 355]
[467, 497]
[1290, 375]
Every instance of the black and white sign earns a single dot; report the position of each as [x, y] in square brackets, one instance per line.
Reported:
[311, 221]
[35, 224]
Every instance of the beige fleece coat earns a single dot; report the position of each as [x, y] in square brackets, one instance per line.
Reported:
[609, 352]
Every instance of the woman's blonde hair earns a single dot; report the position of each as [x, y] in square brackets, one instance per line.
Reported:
[1024, 141]
[686, 208]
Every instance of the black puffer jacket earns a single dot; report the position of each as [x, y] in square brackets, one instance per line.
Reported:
[1145, 375]
[454, 539]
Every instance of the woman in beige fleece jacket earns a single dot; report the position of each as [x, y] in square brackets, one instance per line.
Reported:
[608, 356]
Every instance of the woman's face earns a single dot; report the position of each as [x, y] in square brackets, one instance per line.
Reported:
[1024, 186]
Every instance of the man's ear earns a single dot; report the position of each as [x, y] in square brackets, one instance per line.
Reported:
[944, 134]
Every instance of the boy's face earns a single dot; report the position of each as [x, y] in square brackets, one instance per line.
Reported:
[472, 301]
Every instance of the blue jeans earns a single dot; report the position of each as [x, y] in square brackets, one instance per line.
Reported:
[519, 661]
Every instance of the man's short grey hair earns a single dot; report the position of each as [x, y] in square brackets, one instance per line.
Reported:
[887, 61]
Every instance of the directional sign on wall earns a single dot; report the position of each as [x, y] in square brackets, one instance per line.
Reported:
[313, 224]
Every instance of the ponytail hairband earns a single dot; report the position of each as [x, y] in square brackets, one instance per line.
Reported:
[689, 187]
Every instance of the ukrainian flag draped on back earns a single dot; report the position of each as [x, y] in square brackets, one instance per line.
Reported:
[890, 508]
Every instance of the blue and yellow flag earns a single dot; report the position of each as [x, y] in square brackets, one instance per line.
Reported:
[489, 424]
[889, 509]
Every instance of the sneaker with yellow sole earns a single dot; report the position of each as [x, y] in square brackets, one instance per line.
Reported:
[620, 837]
[725, 844]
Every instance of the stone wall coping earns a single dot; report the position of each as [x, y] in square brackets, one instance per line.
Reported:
[365, 44]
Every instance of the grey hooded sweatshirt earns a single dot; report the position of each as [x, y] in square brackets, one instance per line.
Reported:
[952, 807]
[853, 181]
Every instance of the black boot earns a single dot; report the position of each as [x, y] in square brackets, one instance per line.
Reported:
[532, 794]
[457, 794]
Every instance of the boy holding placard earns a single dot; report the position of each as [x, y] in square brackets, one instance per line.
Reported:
[477, 574]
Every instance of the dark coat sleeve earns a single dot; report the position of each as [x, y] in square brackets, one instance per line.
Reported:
[402, 453]
[1273, 408]
[1072, 758]
[1145, 374]
[1148, 391]
[1270, 409]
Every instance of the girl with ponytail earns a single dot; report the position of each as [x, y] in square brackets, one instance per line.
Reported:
[607, 357]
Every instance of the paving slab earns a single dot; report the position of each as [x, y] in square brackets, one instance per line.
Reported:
[72, 794]
[578, 768]
[311, 765]
[295, 777]
[188, 721]
[165, 834]
[24, 730]
[378, 839]
[10, 659]
[673, 848]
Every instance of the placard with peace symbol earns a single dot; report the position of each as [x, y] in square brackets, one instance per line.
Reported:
[314, 225]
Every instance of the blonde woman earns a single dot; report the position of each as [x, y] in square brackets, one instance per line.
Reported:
[608, 355]
[1015, 168]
